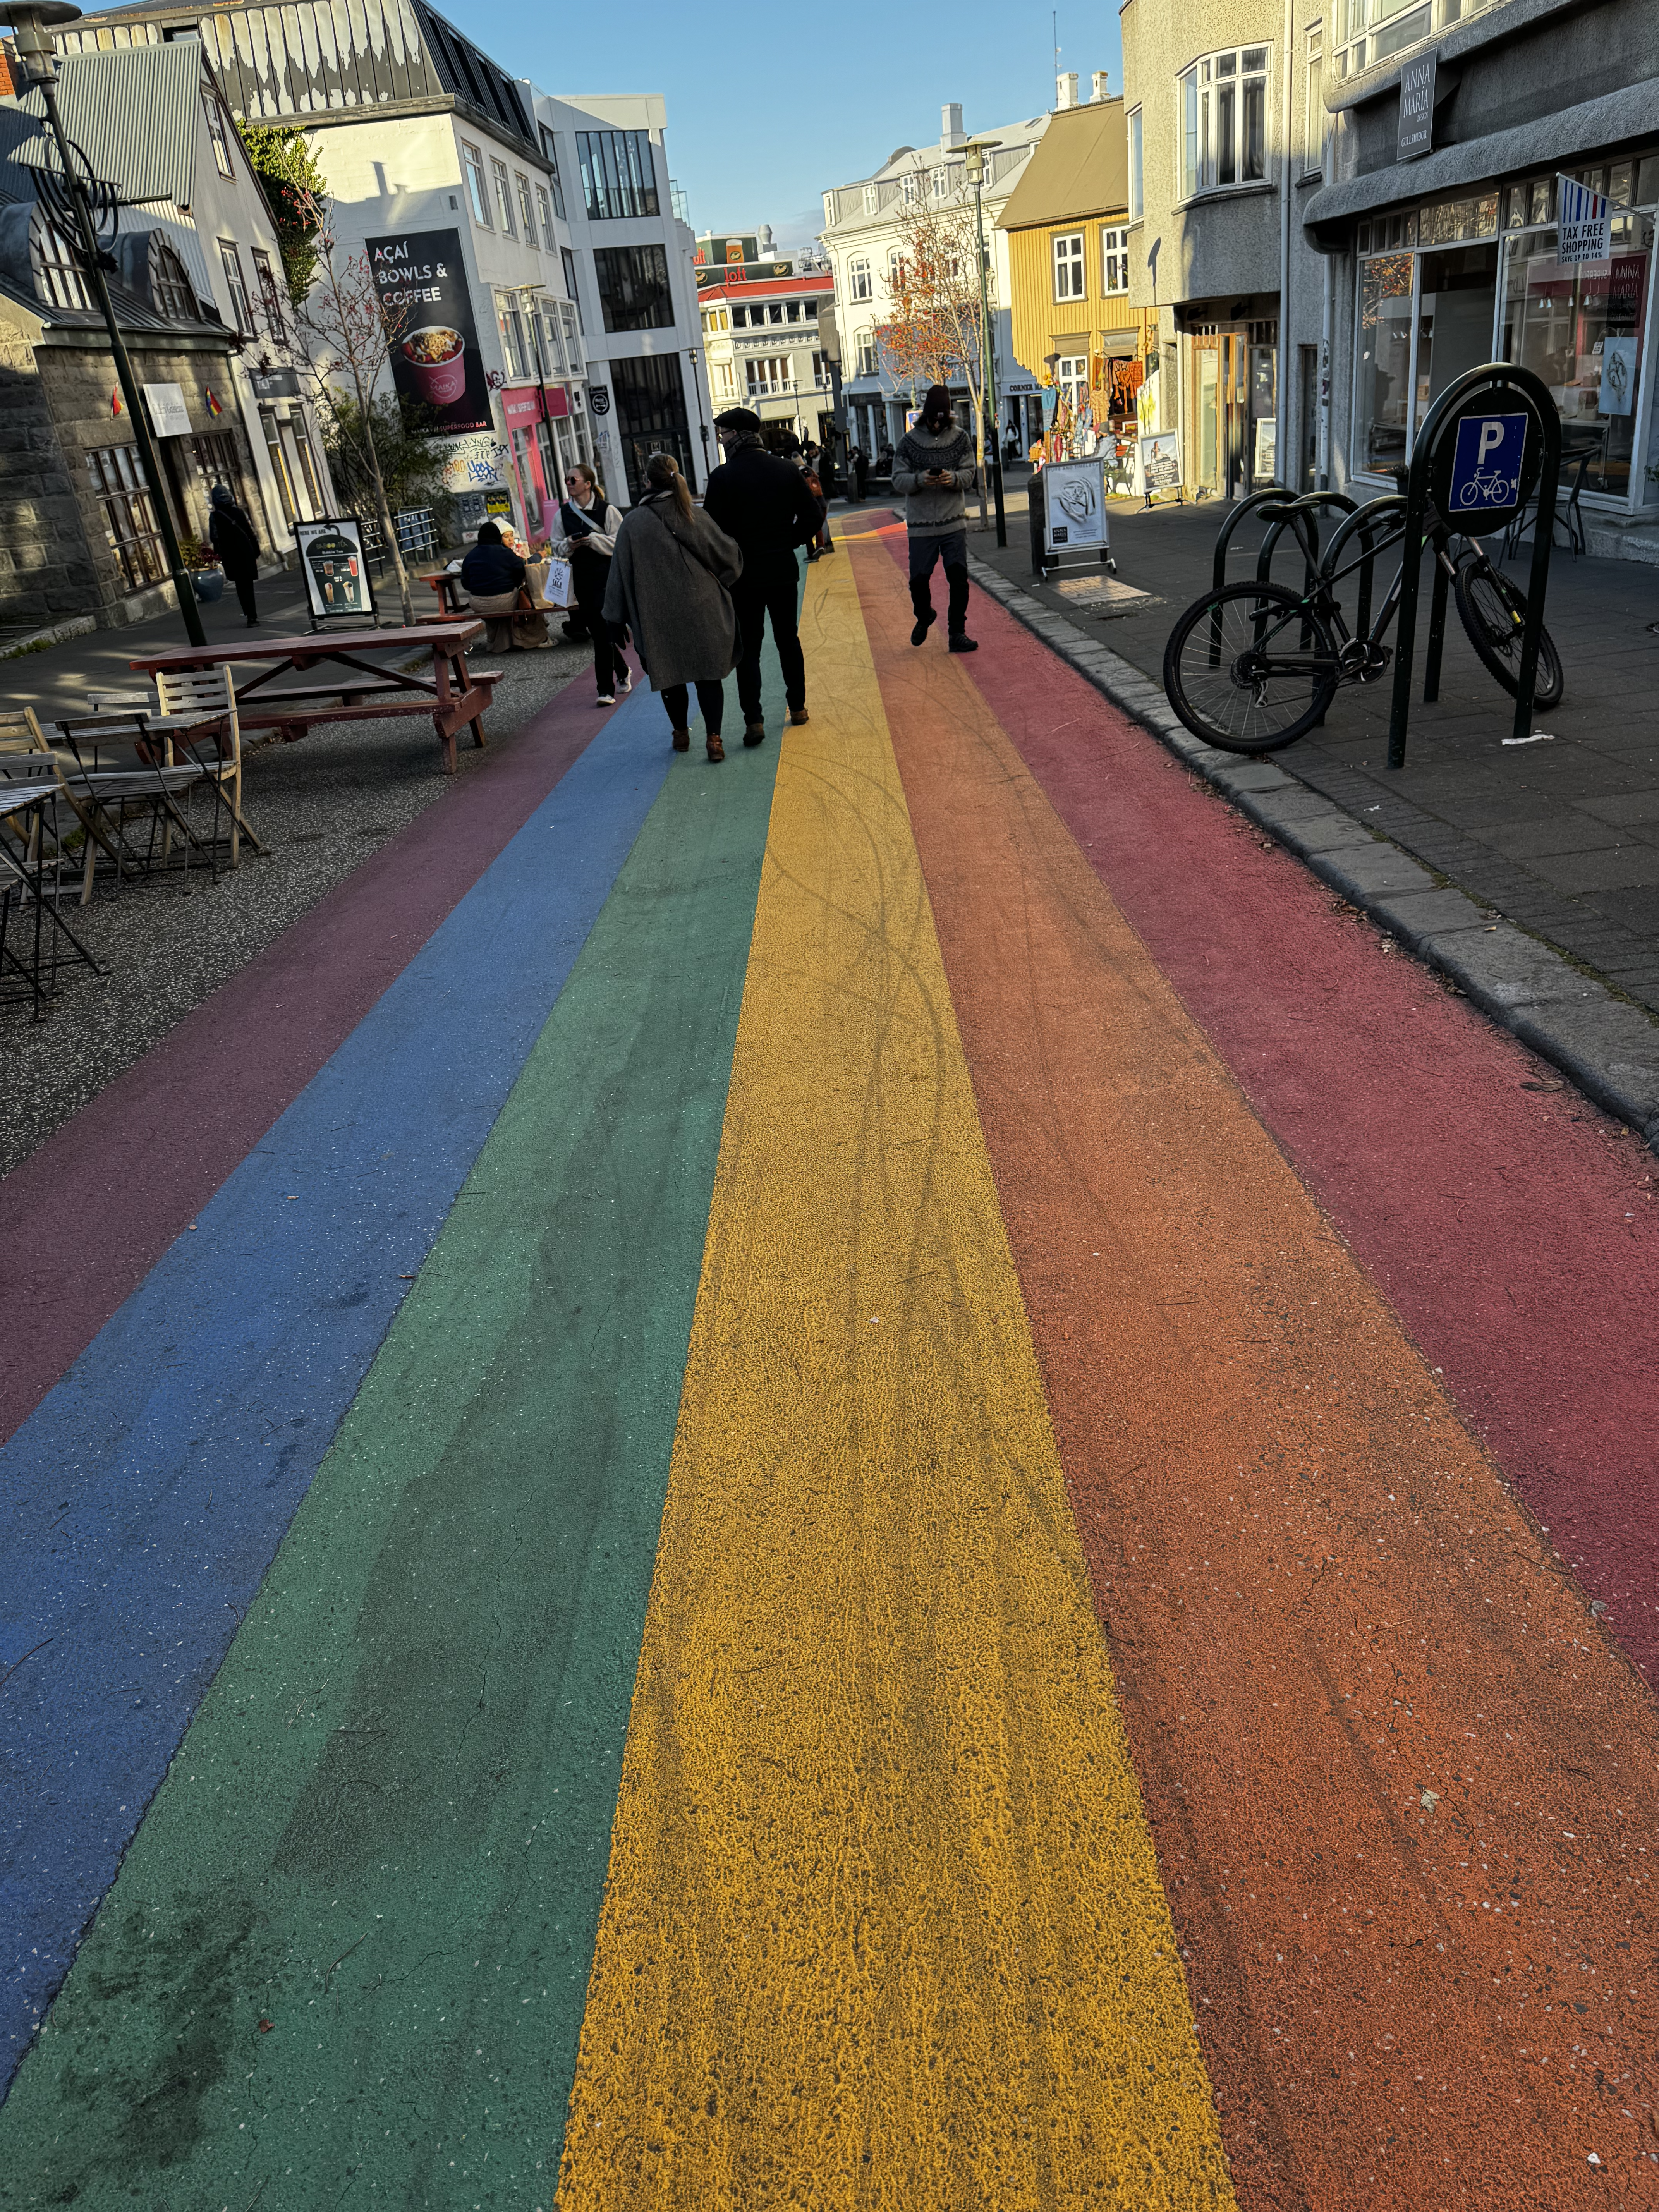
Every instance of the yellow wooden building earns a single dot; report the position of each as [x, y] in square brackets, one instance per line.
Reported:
[1066, 221]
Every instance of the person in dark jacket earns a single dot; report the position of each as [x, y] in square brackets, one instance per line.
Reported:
[492, 567]
[235, 539]
[492, 576]
[764, 504]
[933, 468]
[588, 526]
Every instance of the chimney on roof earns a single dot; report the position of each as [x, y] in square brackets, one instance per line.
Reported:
[951, 129]
[1066, 88]
[1100, 85]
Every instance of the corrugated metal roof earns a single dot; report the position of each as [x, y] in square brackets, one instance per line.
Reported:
[1081, 166]
[133, 111]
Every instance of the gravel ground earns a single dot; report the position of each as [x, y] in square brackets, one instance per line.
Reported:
[324, 806]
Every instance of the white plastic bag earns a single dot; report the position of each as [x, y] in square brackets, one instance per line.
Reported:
[556, 589]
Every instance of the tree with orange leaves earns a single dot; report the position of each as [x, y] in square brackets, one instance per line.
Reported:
[937, 335]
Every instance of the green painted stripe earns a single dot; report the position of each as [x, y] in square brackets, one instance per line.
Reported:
[387, 1829]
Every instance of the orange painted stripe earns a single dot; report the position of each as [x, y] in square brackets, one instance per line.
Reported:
[1402, 1790]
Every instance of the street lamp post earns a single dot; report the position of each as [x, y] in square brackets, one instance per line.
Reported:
[703, 426]
[32, 21]
[976, 152]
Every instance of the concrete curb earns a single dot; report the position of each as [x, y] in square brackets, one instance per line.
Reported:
[1606, 1047]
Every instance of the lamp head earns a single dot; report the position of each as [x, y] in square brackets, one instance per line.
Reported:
[33, 21]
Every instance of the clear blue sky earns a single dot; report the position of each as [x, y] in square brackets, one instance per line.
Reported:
[761, 118]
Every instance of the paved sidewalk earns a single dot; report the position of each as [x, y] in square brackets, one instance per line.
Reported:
[1561, 838]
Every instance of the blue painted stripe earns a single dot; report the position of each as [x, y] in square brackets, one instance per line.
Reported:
[145, 1497]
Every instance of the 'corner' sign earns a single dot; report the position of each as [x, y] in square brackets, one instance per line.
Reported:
[1416, 107]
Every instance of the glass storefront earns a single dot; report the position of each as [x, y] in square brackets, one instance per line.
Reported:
[1580, 327]
[1445, 287]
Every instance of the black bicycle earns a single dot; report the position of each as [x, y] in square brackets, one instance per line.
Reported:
[1251, 667]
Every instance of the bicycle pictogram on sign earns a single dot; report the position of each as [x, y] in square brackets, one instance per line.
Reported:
[1486, 464]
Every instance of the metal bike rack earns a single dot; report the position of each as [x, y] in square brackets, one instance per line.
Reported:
[1511, 414]
[1223, 536]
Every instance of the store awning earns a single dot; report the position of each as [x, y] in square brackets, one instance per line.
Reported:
[1554, 141]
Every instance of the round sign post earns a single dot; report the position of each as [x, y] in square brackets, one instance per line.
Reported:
[1490, 437]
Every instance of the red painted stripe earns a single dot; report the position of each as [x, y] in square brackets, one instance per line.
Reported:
[1514, 1234]
[1399, 1781]
[84, 1219]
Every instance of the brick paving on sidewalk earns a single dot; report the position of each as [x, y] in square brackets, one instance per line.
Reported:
[1562, 838]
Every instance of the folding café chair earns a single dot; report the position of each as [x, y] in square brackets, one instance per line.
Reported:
[143, 788]
[199, 715]
[31, 848]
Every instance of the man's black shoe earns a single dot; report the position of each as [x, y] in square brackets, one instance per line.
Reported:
[924, 624]
[962, 643]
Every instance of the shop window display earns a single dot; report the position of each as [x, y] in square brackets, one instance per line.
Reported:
[1580, 327]
[1384, 360]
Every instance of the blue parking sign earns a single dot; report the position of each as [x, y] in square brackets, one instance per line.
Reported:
[1487, 465]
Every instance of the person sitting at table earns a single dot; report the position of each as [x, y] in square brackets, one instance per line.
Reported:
[492, 576]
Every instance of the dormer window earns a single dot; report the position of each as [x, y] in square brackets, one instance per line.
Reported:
[171, 292]
[56, 271]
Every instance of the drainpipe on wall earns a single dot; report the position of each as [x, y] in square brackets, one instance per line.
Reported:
[1323, 465]
[1282, 410]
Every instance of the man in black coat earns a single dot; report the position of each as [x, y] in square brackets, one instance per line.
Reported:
[233, 538]
[767, 506]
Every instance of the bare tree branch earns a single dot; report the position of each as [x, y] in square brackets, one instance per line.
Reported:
[936, 332]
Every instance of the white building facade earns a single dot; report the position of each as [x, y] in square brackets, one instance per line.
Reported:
[763, 347]
[635, 291]
[862, 234]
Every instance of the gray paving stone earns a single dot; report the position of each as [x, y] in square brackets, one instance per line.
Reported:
[1368, 871]
[1421, 917]
[1513, 970]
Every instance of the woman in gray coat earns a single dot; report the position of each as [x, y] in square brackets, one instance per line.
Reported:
[670, 581]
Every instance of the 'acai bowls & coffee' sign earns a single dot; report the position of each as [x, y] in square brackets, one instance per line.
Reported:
[421, 279]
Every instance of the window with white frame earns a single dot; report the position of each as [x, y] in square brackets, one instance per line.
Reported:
[1137, 179]
[864, 347]
[546, 214]
[503, 196]
[476, 191]
[895, 265]
[1071, 282]
[1223, 118]
[724, 384]
[821, 371]
[858, 276]
[766, 377]
[1315, 123]
[217, 132]
[231, 262]
[1367, 31]
[1113, 261]
[907, 189]
[1071, 375]
[526, 210]
[871, 199]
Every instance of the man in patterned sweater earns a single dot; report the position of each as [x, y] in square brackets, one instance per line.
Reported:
[934, 467]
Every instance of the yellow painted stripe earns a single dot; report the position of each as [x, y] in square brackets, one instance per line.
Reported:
[884, 1926]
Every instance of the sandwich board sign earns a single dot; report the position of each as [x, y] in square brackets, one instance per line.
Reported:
[1074, 498]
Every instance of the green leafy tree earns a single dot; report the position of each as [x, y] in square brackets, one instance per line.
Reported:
[294, 188]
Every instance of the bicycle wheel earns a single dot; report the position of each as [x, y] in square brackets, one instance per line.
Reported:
[1492, 612]
[1249, 669]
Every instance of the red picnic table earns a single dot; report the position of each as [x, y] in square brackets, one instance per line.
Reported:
[272, 701]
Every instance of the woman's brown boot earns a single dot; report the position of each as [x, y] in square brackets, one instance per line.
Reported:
[682, 741]
[716, 749]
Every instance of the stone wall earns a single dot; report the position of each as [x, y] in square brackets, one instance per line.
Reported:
[47, 570]
[79, 381]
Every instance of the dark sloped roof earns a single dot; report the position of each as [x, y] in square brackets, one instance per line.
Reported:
[279, 62]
